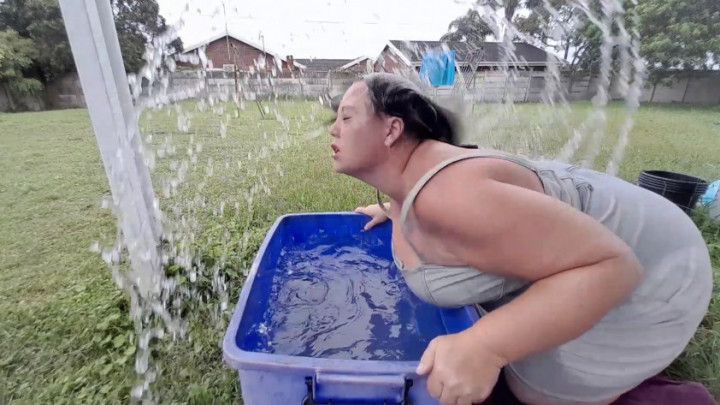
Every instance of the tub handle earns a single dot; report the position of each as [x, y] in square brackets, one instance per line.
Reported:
[330, 384]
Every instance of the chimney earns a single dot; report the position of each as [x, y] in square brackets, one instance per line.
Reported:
[290, 63]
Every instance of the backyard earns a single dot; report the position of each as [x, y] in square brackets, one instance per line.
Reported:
[65, 333]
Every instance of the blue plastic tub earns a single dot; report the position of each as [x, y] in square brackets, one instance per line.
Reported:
[275, 368]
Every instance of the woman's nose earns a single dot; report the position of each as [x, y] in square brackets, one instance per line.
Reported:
[333, 130]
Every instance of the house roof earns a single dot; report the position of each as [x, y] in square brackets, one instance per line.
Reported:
[326, 65]
[355, 62]
[488, 53]
[240, 38]
[323, 65]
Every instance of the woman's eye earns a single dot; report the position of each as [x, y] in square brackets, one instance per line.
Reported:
[345, 118]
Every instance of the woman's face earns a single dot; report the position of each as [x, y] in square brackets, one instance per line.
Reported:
[358, 141]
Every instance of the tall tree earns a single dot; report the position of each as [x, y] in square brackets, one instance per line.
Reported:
[16, 54]
[562, 30]
[47, 30]
[39, 21]
[469, 28]
[679, 35]
[136, 21]
[675, 35]
[565, 30]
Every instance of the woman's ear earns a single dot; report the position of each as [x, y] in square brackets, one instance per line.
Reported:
[395, 130]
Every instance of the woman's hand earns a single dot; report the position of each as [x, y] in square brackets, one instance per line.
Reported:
[376, 214]
[461, 370]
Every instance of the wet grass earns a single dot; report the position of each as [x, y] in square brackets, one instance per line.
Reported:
[64, 332]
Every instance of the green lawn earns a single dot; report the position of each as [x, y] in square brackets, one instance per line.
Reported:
[64, 330]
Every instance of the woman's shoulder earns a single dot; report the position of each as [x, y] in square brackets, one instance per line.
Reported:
[462, 170]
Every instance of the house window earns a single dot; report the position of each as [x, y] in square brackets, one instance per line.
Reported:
[229, 67]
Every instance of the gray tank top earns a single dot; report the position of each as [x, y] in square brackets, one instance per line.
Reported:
[638, 338]
[455, 286]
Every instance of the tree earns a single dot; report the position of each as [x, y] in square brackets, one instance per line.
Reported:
[136, 21]
[574, 37]
[47, 30]
[679, 35]
[16, 54]
[676, 35]
[41, 22]
[469, 28]
[566, 29]
[139, 22]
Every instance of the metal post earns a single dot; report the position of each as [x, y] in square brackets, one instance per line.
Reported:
[687, 84]
[91, 31]
[527, 89]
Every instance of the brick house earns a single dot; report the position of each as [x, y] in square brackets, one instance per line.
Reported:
[227, 51]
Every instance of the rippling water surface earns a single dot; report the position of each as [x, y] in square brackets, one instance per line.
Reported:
[332, 298]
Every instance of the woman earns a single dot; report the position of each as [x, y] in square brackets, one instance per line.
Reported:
[594, 284]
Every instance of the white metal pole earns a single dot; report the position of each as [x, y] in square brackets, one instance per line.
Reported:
[91, 31]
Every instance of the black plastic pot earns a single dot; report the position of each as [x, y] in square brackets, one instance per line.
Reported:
[679, 188]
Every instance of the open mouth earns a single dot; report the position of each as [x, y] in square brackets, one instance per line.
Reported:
[335, 149]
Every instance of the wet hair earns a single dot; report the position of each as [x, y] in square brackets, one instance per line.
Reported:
[424, 119]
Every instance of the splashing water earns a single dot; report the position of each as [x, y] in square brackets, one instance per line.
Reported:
[620, 76]
[171, 149]
[175, 110]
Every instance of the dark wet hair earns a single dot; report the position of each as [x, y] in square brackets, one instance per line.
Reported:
[397, 96]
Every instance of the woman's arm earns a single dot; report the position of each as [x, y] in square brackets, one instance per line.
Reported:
[580, 270]
[557, 309]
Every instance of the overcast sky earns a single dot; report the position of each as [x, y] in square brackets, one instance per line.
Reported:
[316, 28]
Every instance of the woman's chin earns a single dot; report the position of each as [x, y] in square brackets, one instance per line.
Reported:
[337, 167]
[340, 168]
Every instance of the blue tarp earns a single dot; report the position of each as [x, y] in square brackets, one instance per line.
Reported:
[438, 68]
